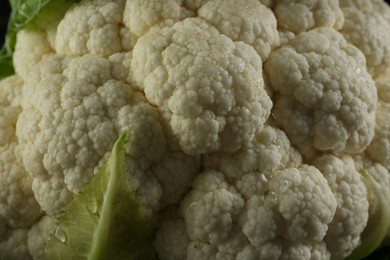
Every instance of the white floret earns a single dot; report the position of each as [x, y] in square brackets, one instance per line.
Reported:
[93, 27]
[299, 16]
[248, 21]
[74, 110]
[17, 203]
[37, 236]
[269, 150]
[297, 199]
[351, 216]
[240, 207]
[31, 47]
[367, 26]
[211, 87]
[210, 209]
[319, 108]
[140, 16]
[287, 219]
[37, 40]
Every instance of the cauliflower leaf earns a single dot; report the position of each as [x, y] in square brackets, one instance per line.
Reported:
[104, 221]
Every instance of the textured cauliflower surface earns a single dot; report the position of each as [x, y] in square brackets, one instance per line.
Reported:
[250, 122]
[317, 106]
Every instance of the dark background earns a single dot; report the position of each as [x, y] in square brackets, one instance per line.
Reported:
[4, 13]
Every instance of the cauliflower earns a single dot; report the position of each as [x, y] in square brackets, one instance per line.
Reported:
[255, 129]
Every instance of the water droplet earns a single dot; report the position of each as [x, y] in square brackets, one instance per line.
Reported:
[60, 234]
[283, 185]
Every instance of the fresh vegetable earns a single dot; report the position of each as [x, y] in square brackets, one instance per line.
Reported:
[258, 129]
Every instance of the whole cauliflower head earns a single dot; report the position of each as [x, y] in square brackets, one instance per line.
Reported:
[252, 124]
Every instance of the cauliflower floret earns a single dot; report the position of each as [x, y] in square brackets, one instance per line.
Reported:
[37, 40]
[38, 234]
[247, 21]
[318, 107]
[367, 26]
[94, 27]
[351, 216]
[73, 112]
[31, 46]
[299, 16]
[297, 205]
[254, 209]
[155, 13]
[302, 251]
[211, 208]
[269, 150]
[10, 92]
[220, 225]
[17, 203]
[212, 87]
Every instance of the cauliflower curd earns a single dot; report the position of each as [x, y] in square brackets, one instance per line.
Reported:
[253, 123]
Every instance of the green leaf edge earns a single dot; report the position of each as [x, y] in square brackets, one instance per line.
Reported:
[132, 241]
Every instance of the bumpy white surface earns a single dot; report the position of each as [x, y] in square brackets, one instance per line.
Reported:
[250, 121]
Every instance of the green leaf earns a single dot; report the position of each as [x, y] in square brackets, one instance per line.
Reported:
[378, 222]
[23, 12]
[104, 221]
